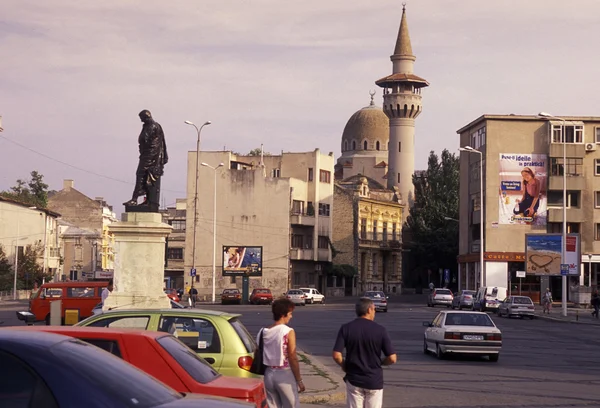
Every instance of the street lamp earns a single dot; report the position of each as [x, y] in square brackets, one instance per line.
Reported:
[214, 229]
[198, 130]
[564, 226]
[482, 276]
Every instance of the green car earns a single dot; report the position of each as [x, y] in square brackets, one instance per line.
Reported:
[220, 338]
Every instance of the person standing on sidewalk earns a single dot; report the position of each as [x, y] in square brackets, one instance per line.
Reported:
[547, 301]
[365, 342]
[595, 303]
[282, 379]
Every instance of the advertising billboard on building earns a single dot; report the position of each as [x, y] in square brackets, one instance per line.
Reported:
[523, 199]
[242, 261]
[543, 254]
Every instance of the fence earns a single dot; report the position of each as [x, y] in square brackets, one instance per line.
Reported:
[21, 295]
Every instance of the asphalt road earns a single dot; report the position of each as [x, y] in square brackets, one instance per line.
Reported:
[543, 363]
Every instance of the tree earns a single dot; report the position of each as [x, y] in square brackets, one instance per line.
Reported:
[29, 268]
[433, 238]
[6, 271]
[33, 191]
[256, 152]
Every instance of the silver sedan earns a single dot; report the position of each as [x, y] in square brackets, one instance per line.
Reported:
[297, 296]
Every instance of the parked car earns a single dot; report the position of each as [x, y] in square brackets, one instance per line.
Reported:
[51, 370]
[218, 337]
[462, 333]
[261, 296]
[313, 295]
[379, 299]
[165, 358]
[516, 306]
[488, 298]
[297, 296]
[230, 296]
[440, 296]
[463, 300]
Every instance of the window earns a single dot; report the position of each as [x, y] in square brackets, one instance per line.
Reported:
[365, 145]
[394, 232]
[323, 242]
[394, 265]
[597, 134]
[363, 264]
[80, 292]
[398, 177]
[385, 232]
[310, 174]
[232, 279]
[377, 145]
[556, 227]
[468, 319]
[178, 225]
[354, 145]
[207, 341]
[475, 202]
[572, 133]
[195, 366]
[297, 241]
[324, 209]
[478, 138]
[324, 176]
[597, 233]
[597, 199]
[276, 173]
[107, 345]
[52, 292]
[241, 331]
[297, 207]
[375, 266]
[400, 147]
[345, 145]
[574, 166]
[131, 322]
[174, 253]
[596, 167]
[555, 198]
[374, 230]
[363, 228]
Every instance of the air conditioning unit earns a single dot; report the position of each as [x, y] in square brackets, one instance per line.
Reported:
[590, 147]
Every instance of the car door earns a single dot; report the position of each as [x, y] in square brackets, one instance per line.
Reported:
[318, 296]
[432, 333]
[199, 334]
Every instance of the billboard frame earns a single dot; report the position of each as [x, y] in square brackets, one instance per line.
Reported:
[250, 270]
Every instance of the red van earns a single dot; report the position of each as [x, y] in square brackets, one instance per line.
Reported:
[81, 296]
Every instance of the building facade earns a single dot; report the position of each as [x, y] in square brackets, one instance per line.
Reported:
[174, 255]
[367, 235]
[278, 205]
[517, 149]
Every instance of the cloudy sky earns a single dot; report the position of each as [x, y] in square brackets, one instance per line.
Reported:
[75, 74]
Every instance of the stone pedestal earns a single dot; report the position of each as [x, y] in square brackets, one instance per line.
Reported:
[139, 262]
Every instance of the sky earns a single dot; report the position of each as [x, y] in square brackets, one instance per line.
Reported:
[75, 74]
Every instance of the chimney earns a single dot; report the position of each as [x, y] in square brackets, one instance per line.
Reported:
[68, 184]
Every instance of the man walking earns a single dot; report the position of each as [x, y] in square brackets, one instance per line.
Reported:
[365, 342]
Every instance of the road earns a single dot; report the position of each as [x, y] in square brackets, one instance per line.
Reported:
[543, 363]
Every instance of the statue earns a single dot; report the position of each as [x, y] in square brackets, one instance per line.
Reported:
[153, 157]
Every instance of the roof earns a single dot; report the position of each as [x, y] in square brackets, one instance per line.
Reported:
[357, 180]
[80, 232]
[369, 123]
[28, 206]
[8, 335]
[74, 284]
[69, 330]
[402, 77]
[403, 46]
[514, 117]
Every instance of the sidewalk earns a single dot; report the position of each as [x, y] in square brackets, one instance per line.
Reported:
[574, 315]
[322, 386]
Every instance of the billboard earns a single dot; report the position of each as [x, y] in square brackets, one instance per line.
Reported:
[543, 254]
[242, 261]
[522, 196]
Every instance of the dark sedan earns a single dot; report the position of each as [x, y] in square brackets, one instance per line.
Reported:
[48, 370]
[379, 299]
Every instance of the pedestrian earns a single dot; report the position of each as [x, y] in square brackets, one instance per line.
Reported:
[193, 296]
[595, 303]
[106, 291]
[547, 301]
[365, 342]
[283, 380]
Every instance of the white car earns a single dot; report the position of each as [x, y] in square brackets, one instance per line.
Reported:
[462, 333]
[313, 295]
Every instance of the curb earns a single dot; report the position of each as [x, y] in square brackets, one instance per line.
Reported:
[559, 320]
[335, 394]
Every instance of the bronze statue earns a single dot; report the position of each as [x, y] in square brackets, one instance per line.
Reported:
[153, 157]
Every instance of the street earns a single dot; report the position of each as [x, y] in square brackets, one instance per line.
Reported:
[543, 363]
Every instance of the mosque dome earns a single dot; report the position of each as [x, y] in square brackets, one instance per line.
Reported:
[367, 130]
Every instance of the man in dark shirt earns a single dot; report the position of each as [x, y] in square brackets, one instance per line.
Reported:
[365, 341]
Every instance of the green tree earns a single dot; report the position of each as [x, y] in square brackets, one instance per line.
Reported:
[256, 152]
[433, 238]
[6, 271]
[29, 268]
[33, 191]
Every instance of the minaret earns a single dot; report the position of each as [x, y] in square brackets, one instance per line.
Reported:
[402, 105]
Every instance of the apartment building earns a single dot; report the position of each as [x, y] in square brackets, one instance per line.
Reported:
[175, 216]
[273, 220]
[516, 150]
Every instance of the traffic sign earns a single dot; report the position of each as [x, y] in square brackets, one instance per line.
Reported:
[564, 269]
[193, 272]
[446, 275]
[521, 274]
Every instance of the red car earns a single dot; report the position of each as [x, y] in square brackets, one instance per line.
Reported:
[261, 296]
[172, 294]
[167, 359]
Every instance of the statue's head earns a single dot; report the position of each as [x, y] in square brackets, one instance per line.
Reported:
[145, 116]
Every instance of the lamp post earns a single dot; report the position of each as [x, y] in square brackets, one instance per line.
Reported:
[590, 270]
[564, 212]
[198, 130]
[214, 274]
[482, 276]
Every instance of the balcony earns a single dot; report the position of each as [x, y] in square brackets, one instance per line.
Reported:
[392, 245]
[299, 218]
[323, 255]
[299, 254]
[576, 183]
[573, 150]
[573, 215]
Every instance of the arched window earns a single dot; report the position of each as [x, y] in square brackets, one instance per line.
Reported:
[354, 145]
[365, 145]
[377, 145]
[345, 145]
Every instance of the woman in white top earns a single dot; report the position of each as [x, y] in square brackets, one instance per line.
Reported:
[282, 375]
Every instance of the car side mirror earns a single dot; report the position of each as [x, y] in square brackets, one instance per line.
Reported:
[427, 324]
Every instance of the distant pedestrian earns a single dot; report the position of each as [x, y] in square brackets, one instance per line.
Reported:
[106, 291]
[595, 303]
[282, 378]
[365, 342]
[193, 296]
[547, 301]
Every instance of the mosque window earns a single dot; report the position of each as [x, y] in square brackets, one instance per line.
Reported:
[365, 145]
[377, 145]
[354, 145]
[345, 145]
[398, 177]
[399, 147]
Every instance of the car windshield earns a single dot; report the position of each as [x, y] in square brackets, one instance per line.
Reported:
[442, 292]
[195, 366]
[263, 291]
[230, 291]
[113, 376]
[306, 290]
[468, 319]
[468, 292]
[522, 300]
[374, 294]
[241, 331]
[295, 292]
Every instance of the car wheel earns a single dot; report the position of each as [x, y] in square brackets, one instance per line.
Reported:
[494, 357]
[425, 350]
[323, 301]
[385, 310]
[439, 353]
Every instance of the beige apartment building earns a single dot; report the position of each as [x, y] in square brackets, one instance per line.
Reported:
[278, 208]
[516, 148]
[175, 216]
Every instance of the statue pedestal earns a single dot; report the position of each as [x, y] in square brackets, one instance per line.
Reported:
[139, 262]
